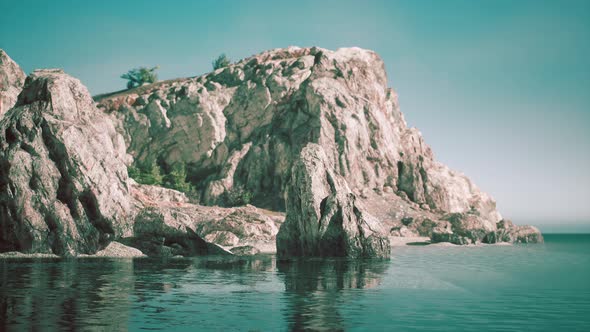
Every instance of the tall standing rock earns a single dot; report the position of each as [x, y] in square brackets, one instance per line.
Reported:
[323, 216]
[63, 181]
[12, 79]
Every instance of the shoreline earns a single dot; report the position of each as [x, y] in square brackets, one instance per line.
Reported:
[118, 250]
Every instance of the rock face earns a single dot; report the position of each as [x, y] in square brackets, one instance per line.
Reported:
[12, 79]
[314, 132]
[244, 126]
[63, 181]
[323, 217]
[167, 224]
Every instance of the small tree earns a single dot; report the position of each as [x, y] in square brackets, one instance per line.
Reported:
[140, 76]
[176, 179]
[150, 174]
[220, 62]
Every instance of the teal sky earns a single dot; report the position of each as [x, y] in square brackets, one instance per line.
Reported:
[500, 89]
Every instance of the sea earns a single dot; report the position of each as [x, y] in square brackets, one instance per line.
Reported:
[528, 287]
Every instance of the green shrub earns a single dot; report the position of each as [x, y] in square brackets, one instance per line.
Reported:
[149, 174]
[133, 172]
[140, 76]
[220, 62]
[176, 179]
[237, 196]
[406, 221]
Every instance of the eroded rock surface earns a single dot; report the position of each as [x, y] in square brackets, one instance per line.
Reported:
[12, 79]
[242, 128]
[323, 217]
[63, 180]
[167, 224]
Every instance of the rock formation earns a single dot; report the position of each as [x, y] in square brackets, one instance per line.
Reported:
[167, 224]
[242, 128]
[12, 79]
[323, 217]
[63, 181]
[314, 132]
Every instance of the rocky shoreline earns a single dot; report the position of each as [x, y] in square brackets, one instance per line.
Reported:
[313, 139]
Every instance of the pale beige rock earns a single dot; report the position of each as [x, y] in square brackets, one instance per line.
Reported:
[116, 249]
[12, 79]
[63, 181]
[197, 229]
[245, 125]
[222, 238]
[323, 218]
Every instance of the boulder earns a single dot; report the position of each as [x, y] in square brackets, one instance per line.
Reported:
[323, 216]
[12, 79]
[63, 180]
[506, 231]
[116, 249]
[223, 238]
[461, 228]
[245, 251]
[166, 223]
[158, 233]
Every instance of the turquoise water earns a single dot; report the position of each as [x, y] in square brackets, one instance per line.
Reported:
[542, 287]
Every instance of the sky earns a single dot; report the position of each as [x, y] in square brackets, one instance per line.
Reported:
[499, 88]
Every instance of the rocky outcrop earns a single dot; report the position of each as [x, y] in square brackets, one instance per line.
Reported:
[508, 232]
[167, 224]
[323, 217]
[242, 128]
[116, 249]
[63, 180]
[12, 79]
[463, 229]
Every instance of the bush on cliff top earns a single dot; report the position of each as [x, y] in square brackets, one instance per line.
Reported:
[140, 76]
[220, 62]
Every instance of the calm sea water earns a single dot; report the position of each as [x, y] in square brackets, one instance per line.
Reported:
[493, 288]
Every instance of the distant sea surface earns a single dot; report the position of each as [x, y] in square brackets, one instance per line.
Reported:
[543, 287]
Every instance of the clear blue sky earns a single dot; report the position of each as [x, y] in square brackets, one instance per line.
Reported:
[500, 89]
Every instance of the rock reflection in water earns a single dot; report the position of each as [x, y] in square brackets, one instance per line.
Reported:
[314, 289]
[119, 294]
[46, 295]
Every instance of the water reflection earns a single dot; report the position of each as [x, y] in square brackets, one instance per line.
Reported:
[42, 295]
[314, 290]
[119, 294]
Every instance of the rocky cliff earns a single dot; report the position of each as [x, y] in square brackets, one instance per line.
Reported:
[243, 127]
[309, 131]
[12, 79]
[64, 187]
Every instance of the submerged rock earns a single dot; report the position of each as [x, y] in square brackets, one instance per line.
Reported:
[12, 79]
[63, 180]
[245, 251]
[323, 217]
